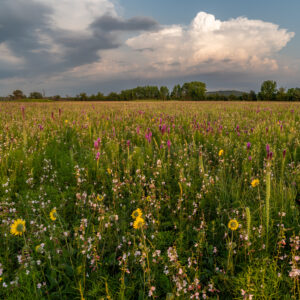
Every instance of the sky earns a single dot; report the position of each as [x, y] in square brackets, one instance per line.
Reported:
[67, 47]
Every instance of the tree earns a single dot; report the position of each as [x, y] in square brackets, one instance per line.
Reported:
[18, 94]
[176, 92]
[112, 96]
[163, 92]
[268, 90]
[252, 96]
[82, 97]
[194, 90]
[293, 94]
[35, 95]
[281, 94]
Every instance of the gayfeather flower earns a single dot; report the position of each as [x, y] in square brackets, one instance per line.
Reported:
[248, 146]
[128, 143]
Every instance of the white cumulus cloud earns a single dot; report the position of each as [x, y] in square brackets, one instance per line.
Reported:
[208, 44]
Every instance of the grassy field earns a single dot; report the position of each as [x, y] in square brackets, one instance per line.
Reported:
[172, 200]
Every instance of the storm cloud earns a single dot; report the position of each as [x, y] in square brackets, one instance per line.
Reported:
[31, 44]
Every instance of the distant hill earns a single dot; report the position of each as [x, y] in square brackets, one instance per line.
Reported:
[226, 93]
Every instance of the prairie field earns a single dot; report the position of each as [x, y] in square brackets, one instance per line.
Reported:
[149, 200]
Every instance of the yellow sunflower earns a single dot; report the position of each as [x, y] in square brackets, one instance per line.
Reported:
[100, 198]
[233, 224]
[255, 182]
[221, 152]
[136, 214]
[53, 214]
[138, 223]
[18, 227]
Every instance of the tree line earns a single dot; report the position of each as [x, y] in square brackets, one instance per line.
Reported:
[189, 91]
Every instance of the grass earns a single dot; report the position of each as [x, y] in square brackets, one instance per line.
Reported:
[93, 164]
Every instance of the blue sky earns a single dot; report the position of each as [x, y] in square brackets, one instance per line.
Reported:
[72, 46]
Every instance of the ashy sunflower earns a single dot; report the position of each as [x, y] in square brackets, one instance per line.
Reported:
[255, 182]
[233, 224]
[221, 152]
[53, 214]
[18, 227]
[136, 214]
[138, 223]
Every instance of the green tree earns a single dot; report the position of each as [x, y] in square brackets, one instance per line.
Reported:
[82, 97]
[281, 94]
[194, 90]
[176, 92]
[293, 94]
[163, 92]
[18, 94]
[268, 90]
[35, 95]
[252, 96]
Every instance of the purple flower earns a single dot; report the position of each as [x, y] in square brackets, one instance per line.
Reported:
[248, 146]
[97, 155]
[96, 145]
[128, 143]
[250, 158]
[169, 144]
[284, 153]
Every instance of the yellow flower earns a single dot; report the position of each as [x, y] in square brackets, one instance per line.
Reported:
[100, 198]
[148, 198]
[38, 248]
[66, 121]
[233, 224]
[53, 214]
[0, 279]
[221, 152]
[109, 171]
[136, 214]
[138, 223]
[18, 227]
[255, 182]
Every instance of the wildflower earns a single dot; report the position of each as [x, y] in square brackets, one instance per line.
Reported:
[97, 155]
[18, 227]
[255, 182]
[138, 223]
[233, 224]
[109, 171]
[53, 214]
[169, 144]
[221, 152]
[66, 121]
[248, 146]
[100, 198]
[38, 248]
[136, 214]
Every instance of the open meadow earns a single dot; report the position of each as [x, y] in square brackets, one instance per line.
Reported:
[161, 200]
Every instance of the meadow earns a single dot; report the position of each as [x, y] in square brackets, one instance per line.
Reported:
[176, 200]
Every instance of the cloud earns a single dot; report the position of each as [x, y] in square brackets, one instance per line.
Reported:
[44, 39]
[80, 42]
[111, 23]
[208, 45]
